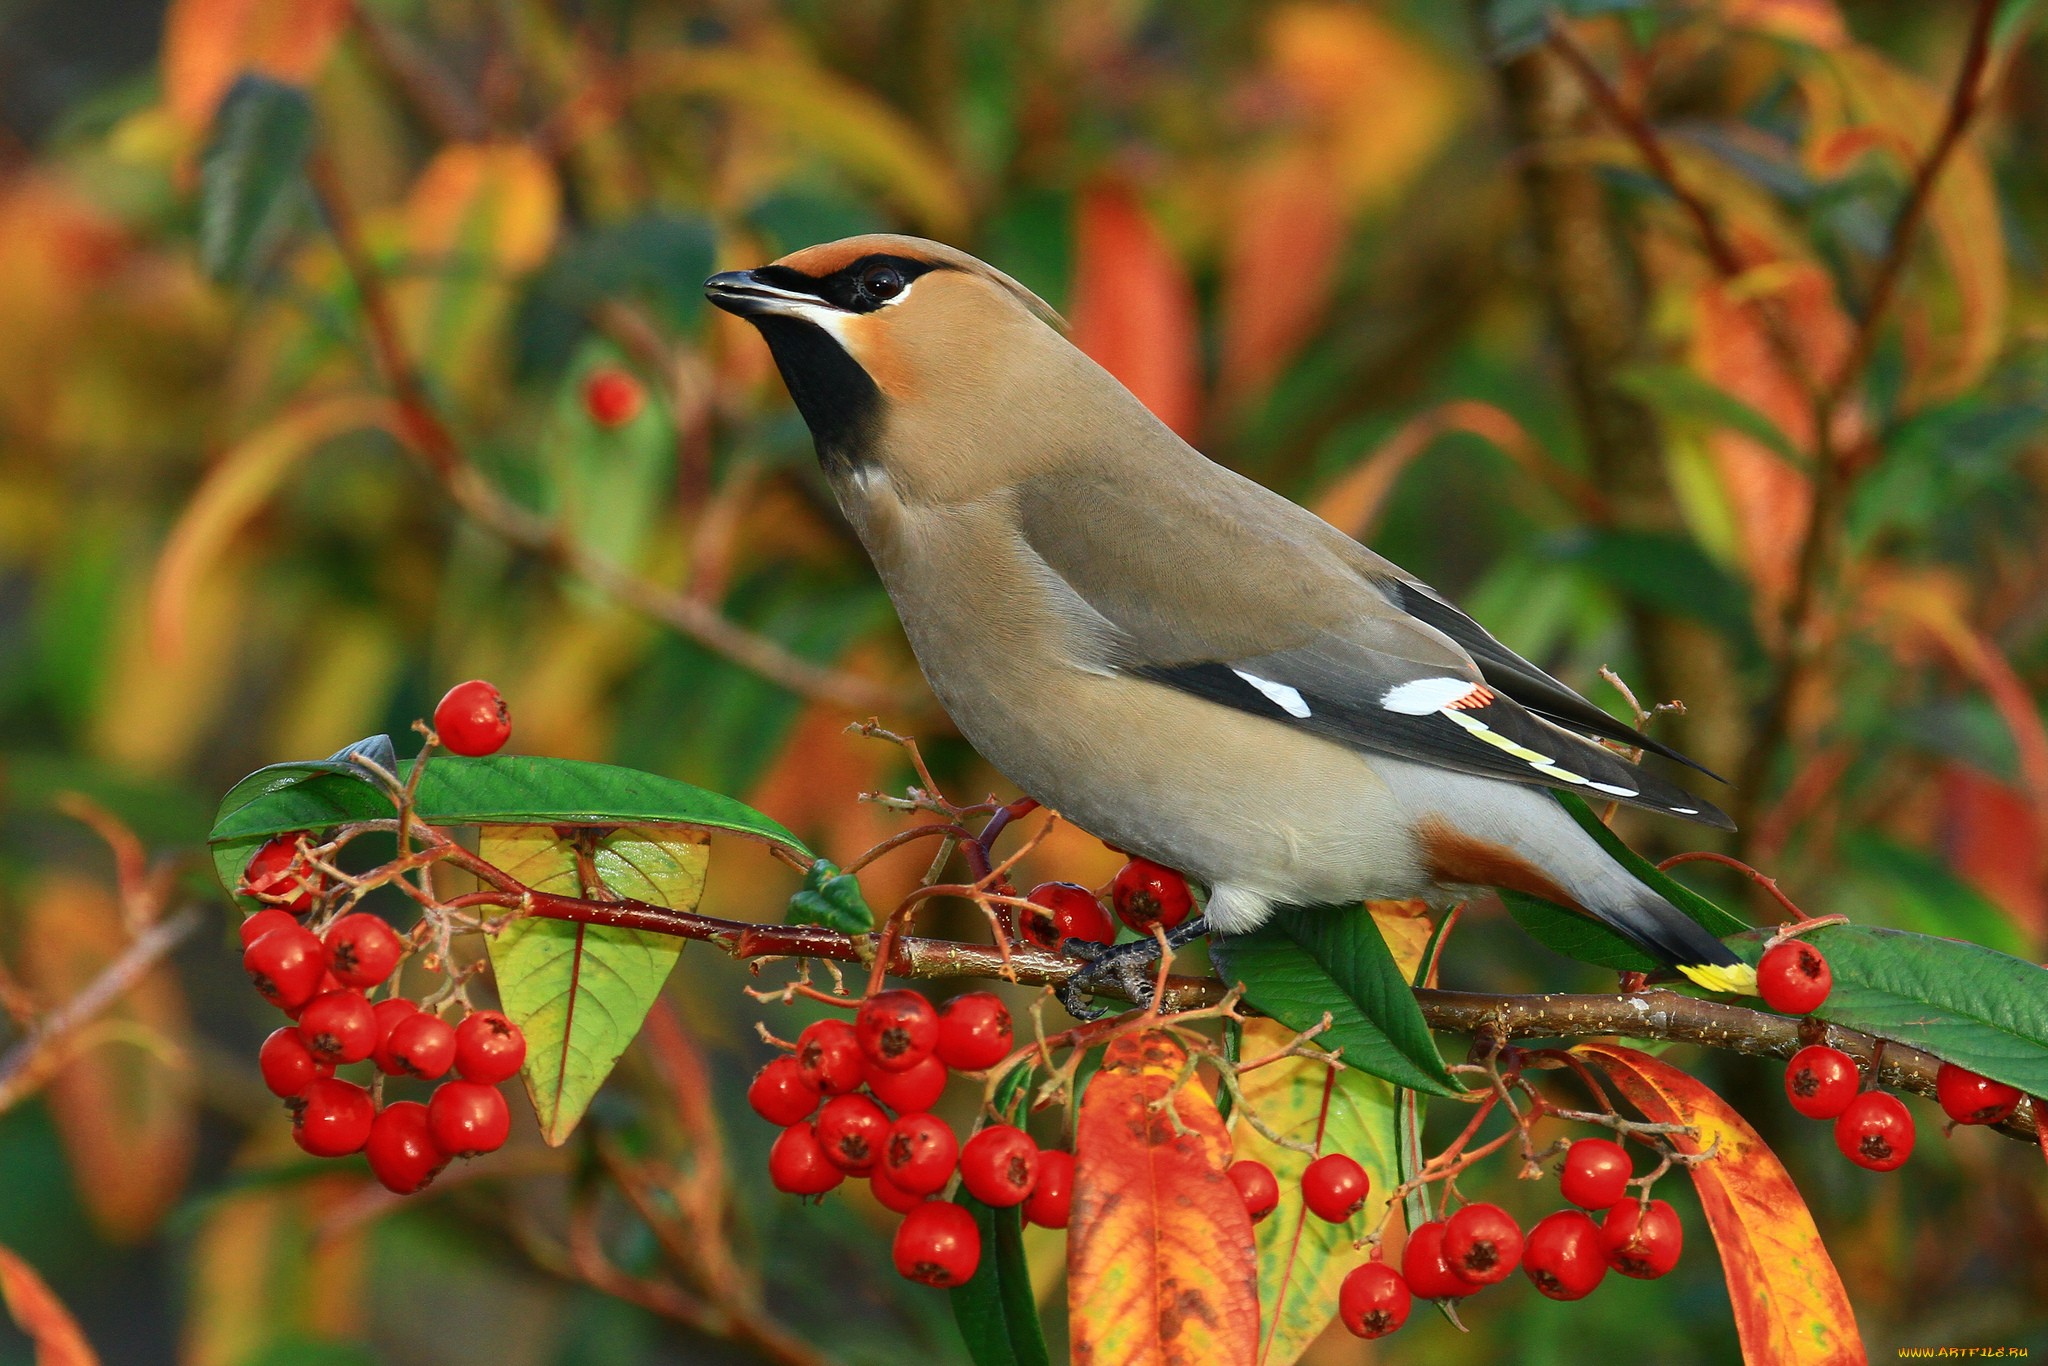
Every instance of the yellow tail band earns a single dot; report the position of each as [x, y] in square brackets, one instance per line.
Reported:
[1737, 978]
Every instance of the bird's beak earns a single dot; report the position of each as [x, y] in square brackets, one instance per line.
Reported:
[739, 292]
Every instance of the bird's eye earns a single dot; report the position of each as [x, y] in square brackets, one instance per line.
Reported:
[882, 283]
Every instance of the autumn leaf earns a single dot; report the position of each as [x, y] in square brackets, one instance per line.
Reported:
[1161, 1267]
[42, 1316]
[1790, 1307]
[207, 43]
[1133, 308]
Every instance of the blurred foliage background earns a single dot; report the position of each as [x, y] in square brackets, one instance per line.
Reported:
[1398, 260]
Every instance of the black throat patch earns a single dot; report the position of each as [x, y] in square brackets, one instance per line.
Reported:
[838, 402]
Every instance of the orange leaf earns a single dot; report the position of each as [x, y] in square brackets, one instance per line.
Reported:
[1161, 1265]
[1133, 308]
[495, 203]
[1288, 210]
[42, 1315]
[1817, 23]
[208, 43]
[1790, 1307]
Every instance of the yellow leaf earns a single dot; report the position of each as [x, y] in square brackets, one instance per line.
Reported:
[208, 43]
[486, 203]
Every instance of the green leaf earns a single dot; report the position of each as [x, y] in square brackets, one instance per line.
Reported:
[580, 991]
[1669, 574]
[1304, 962]
[1685, 399]
[996, 1309]
[1963, 1003]
[610, 486]
[251, 175]
[832, 899]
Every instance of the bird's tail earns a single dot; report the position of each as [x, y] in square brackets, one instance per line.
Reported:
[1663, 931]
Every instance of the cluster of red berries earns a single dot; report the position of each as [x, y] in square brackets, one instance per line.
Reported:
[830, 1095]
[322, 982]
[472, 719]
[1144, 894]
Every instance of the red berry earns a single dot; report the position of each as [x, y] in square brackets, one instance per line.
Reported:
[1256, 1185]
[468, 1118]
[611, 397]
[288, 1066]
[998, 1165]
[1482, 1243]
[1596, 1173]
[1334, 1187]
[1052, 1194]
[391, 1012]
[339, 1027]
[1794, 978]
[780, 1095]
[1639, 1242]
[1429, 1276]
[286, 966]
[488, 1047]
[422, 1045]
[1968, 1098]
[263, 922]
[329, 984]
[278, 870]
[362, 950]
[1071, 912]
[891, 1195]
[401, 1149]
[852, 1130]
[797, 1163]
[1821, 1081]
[908, 1092]
[828, 1054]
[938, 1244]
[919, 1154]
[1373, 1300]
[1147, 894]
[1875, 1132]
[1563, 1255]
[472, 719]
[974, 1032]
[897, 1030]
[332, 1118]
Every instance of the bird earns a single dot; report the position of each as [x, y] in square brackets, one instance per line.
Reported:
[1188, 665]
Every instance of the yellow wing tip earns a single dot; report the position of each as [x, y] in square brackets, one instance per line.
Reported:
[1737, 979]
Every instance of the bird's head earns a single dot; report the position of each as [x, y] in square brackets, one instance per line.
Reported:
[897, 349]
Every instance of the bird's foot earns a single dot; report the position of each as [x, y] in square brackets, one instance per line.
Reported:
[1131, 967]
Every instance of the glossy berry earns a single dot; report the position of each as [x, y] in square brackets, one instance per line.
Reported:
[402, 1152]
[1334, 1187]
[286, 965]
[1563, 1256]
[390, 1013]
[938, 1244]
[472, 719]
[974, 1032]
[852, 1129]
[1146, 894]
[797, 1163]
[271, 872]
[488, 1047]
[1875, 1132]
[780, 1095]
[1070, 912]
[329, 984]
[288, 1066]
[1595, 1174]
[1052, 1193]
[468, 1118]
[1256, 1185]
[1642, 1242]
[332, 1118]
[422, 1045]
[339, 1027]
[908, 1092]
[1968, 1098]
[920, 1153]
[612, 397]
[1821, 1081]
[1373, 1301]
[1793, 978]
[362, 950]
[998, 1165]
[1423, 1266]
[828, 1054]
[263, 922]
[1482, 1243]
[897, 1030]
[892, 1196]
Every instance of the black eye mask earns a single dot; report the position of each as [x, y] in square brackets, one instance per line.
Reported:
[862, 287]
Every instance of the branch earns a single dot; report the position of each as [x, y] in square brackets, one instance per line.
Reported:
[425, 432]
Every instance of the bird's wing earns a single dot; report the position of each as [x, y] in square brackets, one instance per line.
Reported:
[1226, 591]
